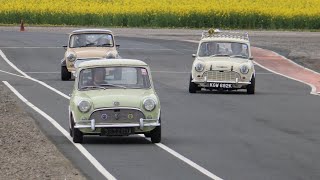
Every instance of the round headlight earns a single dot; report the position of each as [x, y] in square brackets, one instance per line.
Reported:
[149, 104]
[244, 69]
[71, 57]
[84, 106]
[199, 67]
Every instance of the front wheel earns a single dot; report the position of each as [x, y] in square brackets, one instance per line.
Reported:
[155, 134]
[251, 87]
[193, 87]
[65, 74]
[77, 135]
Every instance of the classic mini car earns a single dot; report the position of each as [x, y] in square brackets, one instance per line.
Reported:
[223, 62]
[84, 45]
[114, 97]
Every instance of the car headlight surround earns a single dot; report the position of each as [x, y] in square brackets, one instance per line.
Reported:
[244, 69]
[71, 57]
[149, 104]
[199, 67]
[84, 106]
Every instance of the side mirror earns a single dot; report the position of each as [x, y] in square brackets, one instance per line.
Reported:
[117, 46]
[65, 47]
[194, 55]
[251, 58]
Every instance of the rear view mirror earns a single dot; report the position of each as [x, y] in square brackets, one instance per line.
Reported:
[65, 47]
[117, 46]
[194, 55]
[251, 58]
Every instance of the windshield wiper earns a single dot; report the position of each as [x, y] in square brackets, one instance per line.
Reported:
[114, 85]
[105, 45]
[241, 56]
[92, 87]
[214, 55]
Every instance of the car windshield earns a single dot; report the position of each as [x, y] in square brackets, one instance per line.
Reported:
[231, 49]
[114, 77]
[91, 40]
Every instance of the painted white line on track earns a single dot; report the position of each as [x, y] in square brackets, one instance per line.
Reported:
[29, 77]
[83, 150]
[313, 88]
[162, 146]
[186, 160]
[43, 47]
[13, 74]
[34, 72]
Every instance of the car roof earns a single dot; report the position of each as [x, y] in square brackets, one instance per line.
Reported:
[224, 39]
[112, 62]
[91, 31]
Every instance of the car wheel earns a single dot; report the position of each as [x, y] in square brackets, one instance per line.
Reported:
[77, 135]
[147, 134]
[155, 135]
[65, 74]
[251, 87]
[71, 125]
[193, 87]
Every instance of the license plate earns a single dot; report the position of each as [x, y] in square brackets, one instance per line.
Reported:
[220, 85]
[117, 131]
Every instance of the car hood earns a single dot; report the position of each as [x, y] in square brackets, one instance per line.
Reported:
[222, 63]
[106, 98]
[91, 52]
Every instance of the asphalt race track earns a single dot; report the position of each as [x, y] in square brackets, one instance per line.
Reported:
[273, 134]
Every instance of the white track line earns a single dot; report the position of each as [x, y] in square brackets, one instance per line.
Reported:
[17, 47]
[83, 150]
[162, 146]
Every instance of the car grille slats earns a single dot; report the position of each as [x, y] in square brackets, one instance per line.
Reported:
[117, 116]
[221, 75]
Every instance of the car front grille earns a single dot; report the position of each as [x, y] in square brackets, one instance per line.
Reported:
[221, 75]
[117, 116]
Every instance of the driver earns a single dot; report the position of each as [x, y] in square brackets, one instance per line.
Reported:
[98, 76]
[81, 41]
[237, 49]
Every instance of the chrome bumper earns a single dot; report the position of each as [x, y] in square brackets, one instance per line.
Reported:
[93, 124]
[226, 82]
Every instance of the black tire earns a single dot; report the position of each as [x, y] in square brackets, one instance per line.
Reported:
[155, 134]
[147, 134]
[77, 135]
[65, 74]
[193, 87]
[71, 124]
[251, 87]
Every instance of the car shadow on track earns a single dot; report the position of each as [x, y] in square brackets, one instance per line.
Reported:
[115, 140]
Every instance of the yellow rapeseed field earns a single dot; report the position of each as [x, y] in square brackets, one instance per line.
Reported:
[179, 13]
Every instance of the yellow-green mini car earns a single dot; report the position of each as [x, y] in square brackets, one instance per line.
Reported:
[114, 97]
[223, 62]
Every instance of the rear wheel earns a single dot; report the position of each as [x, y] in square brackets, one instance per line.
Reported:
[251, 87]
[65, 74]
[193, 87]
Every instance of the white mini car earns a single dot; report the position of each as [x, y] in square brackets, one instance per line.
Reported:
[223, 62]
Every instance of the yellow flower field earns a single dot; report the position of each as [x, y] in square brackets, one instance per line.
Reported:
[166, 13]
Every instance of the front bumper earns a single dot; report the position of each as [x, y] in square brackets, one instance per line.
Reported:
[142, 123]
[235, 84]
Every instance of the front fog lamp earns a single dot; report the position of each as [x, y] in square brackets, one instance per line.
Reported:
[244, 69]
[199, 67]
[149, 104]
[71, 57]
[84, 106]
